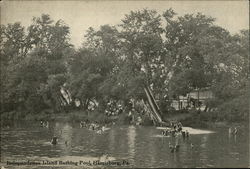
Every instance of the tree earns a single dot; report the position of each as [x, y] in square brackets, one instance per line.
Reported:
[13, 50]
[230, 85]
[196, 47]
[143, 49]
[34, 64]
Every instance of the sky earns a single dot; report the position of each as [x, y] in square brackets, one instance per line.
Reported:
[80, 15]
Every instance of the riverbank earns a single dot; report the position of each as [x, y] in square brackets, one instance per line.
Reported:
[73, 116]
[204, 120]
[190, 119]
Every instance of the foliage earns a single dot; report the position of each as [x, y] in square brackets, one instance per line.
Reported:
[33, 64]
[115, 63]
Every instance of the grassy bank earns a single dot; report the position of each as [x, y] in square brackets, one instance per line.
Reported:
[199, 119]
[187, 118]
[73, 116]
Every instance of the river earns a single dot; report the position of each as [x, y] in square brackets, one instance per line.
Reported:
[121, 146]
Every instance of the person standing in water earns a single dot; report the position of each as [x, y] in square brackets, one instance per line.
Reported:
[179, 125]
[183, 133]
[235, 130]
[187, 134]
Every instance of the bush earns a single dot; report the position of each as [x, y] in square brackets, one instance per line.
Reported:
[234, 110]
[147, 122]
[123, 119]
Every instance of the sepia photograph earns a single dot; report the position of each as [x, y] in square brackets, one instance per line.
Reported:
[124, 84]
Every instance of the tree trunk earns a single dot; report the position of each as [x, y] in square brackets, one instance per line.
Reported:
[179, 103]
[86, 104]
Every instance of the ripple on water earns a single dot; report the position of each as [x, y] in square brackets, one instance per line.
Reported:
[137, 145]
[159, 136]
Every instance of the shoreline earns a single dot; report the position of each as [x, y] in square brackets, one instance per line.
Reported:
[188, 120]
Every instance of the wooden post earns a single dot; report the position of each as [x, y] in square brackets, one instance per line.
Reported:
[199, 99]
[179, 103]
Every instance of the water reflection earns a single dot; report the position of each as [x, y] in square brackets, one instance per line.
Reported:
[131, 133]
[204, 154]
[232, 137]
[112, 140]
[135, 144]
[65, 133]
[235, 138]
[151, 150]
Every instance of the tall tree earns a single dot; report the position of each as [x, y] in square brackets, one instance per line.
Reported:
[142, 47]
[192, 41]
[34, 63]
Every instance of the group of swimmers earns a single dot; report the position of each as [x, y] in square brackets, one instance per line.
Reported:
[175, 128]
[93, 126]
[169, 132]
[44, 124]
[232, 130]
[173, 131]
[173, 148]
[185, 134]
[54, 141]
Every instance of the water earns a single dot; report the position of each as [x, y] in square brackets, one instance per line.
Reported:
[125, 146]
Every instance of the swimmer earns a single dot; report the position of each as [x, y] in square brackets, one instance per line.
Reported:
[41, 123]
[187, 134]
[81, 124]
[171, 147]
[47, 124]
[183, 134]
[192, 146]
[235, 130]
[177, 147]
[54, 140]
[103, 128]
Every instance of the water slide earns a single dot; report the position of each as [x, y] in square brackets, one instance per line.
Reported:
[155, 110]
[148, 110]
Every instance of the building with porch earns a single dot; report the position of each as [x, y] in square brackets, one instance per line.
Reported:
[194, 99]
